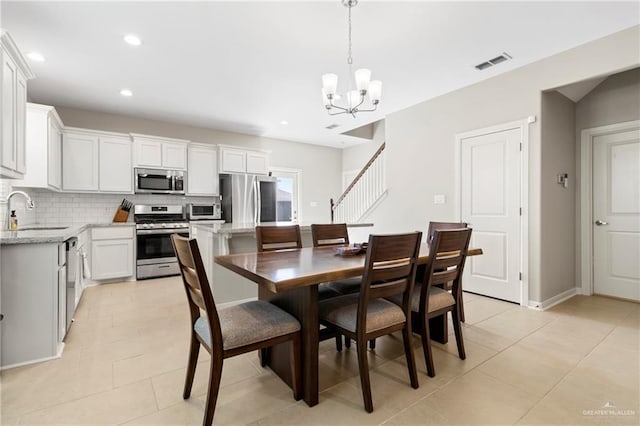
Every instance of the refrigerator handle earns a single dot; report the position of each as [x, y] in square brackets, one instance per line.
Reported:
[258, 204]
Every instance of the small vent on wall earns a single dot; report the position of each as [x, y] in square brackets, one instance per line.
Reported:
[494, 61]
[332, 126]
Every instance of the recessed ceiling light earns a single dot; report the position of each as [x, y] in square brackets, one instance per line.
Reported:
[284, 122]
[35, 56]
[126, 92]
[133, 40]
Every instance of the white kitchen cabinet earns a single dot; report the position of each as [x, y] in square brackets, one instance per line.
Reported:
[202, 173]
[96, 161]
[159, 153]
[116, 173]
[62, 303]
[14, 73]
[80, 161]
[112, 253]
[31, 293]
[235, 160]
[257, 162]
[43, 148]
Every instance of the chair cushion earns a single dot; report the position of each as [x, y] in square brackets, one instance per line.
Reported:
[438, 299]
[249, 323]
[343, 311]
[346, 286]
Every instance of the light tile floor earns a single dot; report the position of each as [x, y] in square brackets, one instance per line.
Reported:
[125, 359]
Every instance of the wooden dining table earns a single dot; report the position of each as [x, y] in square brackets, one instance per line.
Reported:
[290, 279]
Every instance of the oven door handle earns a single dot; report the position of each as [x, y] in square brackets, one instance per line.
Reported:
[161, 231]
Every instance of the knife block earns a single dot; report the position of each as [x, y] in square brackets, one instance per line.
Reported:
[121, 215]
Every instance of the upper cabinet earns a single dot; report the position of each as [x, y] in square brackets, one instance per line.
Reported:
[116, 173]
[159, 153]
[80, 161]
[235, 160]
[14, 73]
[96, 161]
[202, 175]
[43, 148]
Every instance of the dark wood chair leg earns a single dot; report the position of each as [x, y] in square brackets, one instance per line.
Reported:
[426, 345]
[372, 344]
[215, 375]
[363, 366]
[460, 306]
[347, 342]
[339, 343]
[457, 328]
[194, 350]
[296, 367]
[411, 361]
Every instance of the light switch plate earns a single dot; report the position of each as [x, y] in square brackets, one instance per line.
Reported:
[313, 204]
[439, 199]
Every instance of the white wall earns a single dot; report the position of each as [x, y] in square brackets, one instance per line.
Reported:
[321, 166]
[558, 211]
[420, 139]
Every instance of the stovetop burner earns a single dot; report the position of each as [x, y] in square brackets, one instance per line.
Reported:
[159, 217]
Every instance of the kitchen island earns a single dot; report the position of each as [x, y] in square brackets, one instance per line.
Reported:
[231, 238]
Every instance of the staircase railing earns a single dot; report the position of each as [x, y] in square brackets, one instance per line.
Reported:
[363, 192]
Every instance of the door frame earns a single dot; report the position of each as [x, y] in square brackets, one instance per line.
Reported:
[298, 174]
[585, 162]
[523, 126]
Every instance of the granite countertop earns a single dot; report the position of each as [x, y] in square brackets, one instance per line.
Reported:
[243, 228]
[39, 234]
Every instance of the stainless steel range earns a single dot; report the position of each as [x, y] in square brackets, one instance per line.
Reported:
[154, 226]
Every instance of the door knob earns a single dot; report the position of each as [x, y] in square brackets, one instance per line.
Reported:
[601, 222]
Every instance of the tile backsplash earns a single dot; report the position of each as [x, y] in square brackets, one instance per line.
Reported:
[62, 208]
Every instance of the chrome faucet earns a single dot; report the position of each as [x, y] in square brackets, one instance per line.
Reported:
[29, 204]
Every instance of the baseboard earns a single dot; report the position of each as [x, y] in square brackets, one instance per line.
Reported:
[553, 301]
[235, 302]
[35, 361]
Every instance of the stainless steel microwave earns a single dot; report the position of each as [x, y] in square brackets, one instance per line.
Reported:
[211, 211]
[156, 181]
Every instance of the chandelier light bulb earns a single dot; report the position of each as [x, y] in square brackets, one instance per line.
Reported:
[375, 91]
[363, 76]
[330, 84]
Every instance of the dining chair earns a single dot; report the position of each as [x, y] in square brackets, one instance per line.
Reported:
[390, 268]
[441, 226]
[231, 331]
[447, 255]
[271, 238]
[336, 234]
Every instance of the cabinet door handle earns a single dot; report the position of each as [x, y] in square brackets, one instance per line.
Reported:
[1, 317]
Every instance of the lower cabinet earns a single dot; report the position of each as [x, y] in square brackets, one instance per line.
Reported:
[112, 253]
[33, 280]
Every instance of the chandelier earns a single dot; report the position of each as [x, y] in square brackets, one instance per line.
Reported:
[354, 98]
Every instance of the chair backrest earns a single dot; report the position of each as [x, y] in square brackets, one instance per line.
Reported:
[390, 269]
[278, 237]
[447, 255]
[441, 226]
[331, 234]
[196, 285]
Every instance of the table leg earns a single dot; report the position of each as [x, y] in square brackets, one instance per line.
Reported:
[302, 303]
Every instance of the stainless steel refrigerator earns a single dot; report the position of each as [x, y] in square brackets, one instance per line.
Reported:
[248, 198]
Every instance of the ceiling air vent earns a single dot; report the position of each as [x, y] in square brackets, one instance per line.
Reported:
[495, 61]
[332, 126]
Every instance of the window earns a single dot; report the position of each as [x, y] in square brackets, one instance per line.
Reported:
[286, 194]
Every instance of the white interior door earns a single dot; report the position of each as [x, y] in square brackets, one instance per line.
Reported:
[490, 203]
[287, 190]
[616, 214]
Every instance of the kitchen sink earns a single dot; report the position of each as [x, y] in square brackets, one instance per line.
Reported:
[41, 228]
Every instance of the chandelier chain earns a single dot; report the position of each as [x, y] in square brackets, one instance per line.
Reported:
[350, 59]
